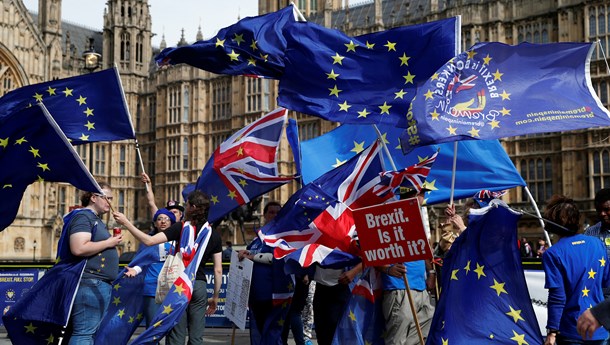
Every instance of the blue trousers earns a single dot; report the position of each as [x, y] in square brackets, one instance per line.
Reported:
[90, 305]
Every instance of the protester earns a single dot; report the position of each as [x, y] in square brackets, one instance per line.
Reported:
[226, 253]
[541, 248]
[174, 206]
[90, 239]
[602, 228]
[526, 249]
[294, 319]
[575, 272]
[162, 220]
[197, 206]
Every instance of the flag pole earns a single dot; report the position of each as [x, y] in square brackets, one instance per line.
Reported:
[601, 48]
[455, 153]
[301, 17]
[385, 147]
[141, 162]
[413, 311]
[546, 234]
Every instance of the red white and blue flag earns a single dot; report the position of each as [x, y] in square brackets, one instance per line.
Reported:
[414, 175]
[244, 166]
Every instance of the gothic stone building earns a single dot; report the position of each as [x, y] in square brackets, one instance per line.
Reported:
[181, 113]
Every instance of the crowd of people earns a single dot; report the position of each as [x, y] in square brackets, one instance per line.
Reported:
[576, 275]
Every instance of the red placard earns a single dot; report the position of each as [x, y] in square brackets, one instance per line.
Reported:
[392, 233]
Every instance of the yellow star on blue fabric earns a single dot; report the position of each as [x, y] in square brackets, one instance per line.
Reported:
[30, 328]
[519, 338]
[479, 271]
[338, 162]
[515, 314]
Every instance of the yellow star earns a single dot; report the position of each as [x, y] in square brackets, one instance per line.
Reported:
[338, 162]
[50, 339]
[264, 57]
[390, 46]
[385, 108]
[121, 313]
[592, 274]
[429, 94]
[370, 45]
[167, 309]
[253, 45]
[409, 77]
[494, 124]
[338, 59]
[499, 287]
[67, 92]
[88, 112]
[474, 132]
[505, 111]
[240, 151]
[280, 322]
[519, 338]
[505, 95]
[602, 262]
[81, 100]
[251, 61]
[34, 151]
[116, 286]
[232, 195]
[238, 39]
[497, 75]
[7, 186]
[467, 268]
[435, 115]
[84, 137]
[384, 138]
[515, 314]
[30, 328]
[452, 130]
[471, 54]
[445, 341]
[116, 300]
[352, 315]
[334, 91]
[399, 94]
[140, 316]
[20, 141]
[358, 147]
[332, 75]
[243, 182]
[404, 59]
[585, 292]
[214, 199]
[38, 97]
[454, 274]
[90, 125]
[51, 91]
[479, 271]
[179, 289]
[434, 76]
[344, 106]
[233, 55]
[131, 319]
[219, 43]
[351, 46]
[486, 60]
[363, 113]
[4, 142]
[430, 185]
[44, 167]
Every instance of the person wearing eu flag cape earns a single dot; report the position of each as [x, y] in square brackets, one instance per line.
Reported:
[576, 270]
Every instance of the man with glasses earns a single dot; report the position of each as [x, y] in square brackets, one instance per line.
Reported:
[91, 241]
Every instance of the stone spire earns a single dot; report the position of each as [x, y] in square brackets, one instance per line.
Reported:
[182, 41]
[163, 44]
[199, 34]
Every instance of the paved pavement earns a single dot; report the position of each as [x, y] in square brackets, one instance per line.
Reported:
[213, 336]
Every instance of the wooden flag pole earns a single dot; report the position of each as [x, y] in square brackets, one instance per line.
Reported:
[412, 305]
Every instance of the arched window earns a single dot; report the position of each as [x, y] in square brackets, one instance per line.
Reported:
[545, 36]
[185, 153]
[537, 36]
[601, 170]
[603, 92]
[125, 46]
[601, 24]
[592, 23]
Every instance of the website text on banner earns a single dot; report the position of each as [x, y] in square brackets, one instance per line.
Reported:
[392, 233]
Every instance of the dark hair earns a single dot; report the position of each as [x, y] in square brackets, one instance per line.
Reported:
[85, 197]
[601, 197]
[201, 201]
[562, 211]
[269, 204]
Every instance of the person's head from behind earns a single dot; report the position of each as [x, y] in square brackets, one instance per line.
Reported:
[229, 244]
[271, 210]
[197, 207]
[541, 242]
[163, 219]
[176, 208]
[563, 215]
[99, 203]
[602, 206]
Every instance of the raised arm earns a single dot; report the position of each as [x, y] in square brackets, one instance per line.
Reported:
[150, 195]
[137, 233]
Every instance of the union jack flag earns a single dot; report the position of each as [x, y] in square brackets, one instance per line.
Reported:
[416, 175]
[339, 191]
[244, 166]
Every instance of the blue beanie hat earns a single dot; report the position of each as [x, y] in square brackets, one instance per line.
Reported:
[168, 213]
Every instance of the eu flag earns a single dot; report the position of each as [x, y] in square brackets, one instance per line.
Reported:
[88, 107]
[476, 169]
[252, 46]
[244, 166]
[33, 148]
[496, 90]
[485, 262]
[365, 79]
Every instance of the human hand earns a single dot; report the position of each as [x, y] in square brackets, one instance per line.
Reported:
[346, 277]
[242, 254]
[450, 211]
[114, 241]
[550, 339]
[120, 218]
[587, 324]
[145, 178]
[397, 270]
[212, 305]
[130, 272]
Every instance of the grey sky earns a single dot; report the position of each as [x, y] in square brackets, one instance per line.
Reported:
[168, 17]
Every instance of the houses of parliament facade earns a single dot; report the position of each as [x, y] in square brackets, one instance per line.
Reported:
[181, 114]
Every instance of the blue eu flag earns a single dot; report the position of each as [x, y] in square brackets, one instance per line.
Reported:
[475, 169]
[365, 79]
[252, 46]
[485, 262]
[496, 90]
[33, 148]
[88, 107]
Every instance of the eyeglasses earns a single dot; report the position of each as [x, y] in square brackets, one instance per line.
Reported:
[109, 198]
[163, 219]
